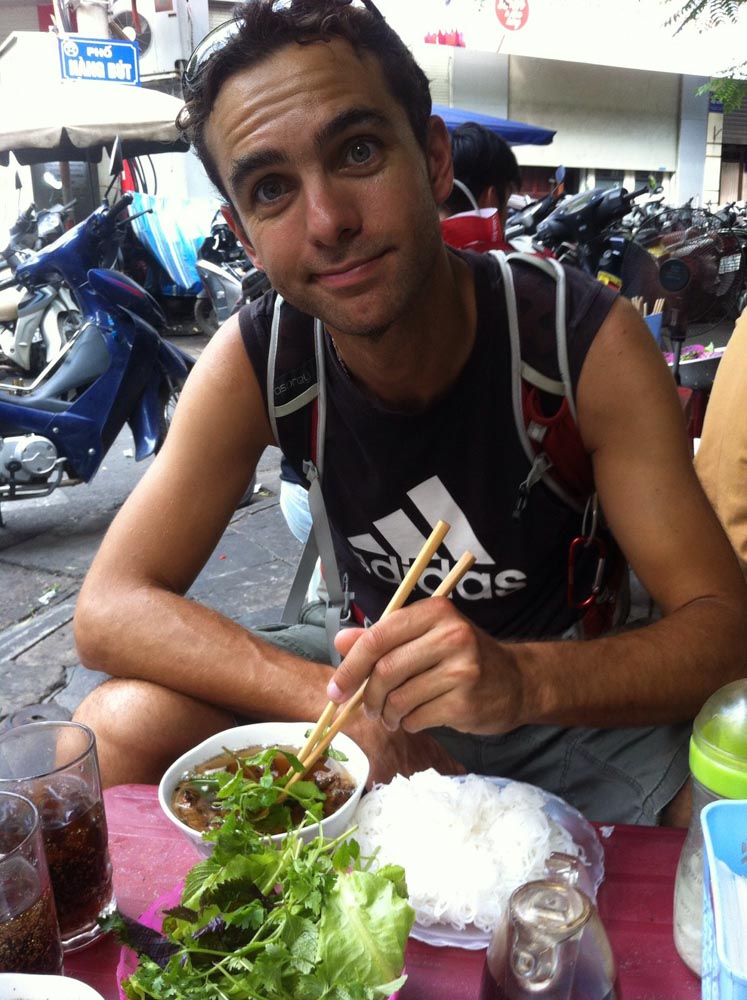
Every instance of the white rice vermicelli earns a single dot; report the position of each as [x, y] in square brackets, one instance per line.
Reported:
[465, 844]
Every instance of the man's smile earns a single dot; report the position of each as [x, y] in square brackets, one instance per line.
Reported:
[349, 273]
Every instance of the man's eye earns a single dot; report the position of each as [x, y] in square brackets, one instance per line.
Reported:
[361, 151]
[268, 191]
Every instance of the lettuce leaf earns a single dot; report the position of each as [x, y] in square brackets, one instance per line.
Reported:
[363, 932]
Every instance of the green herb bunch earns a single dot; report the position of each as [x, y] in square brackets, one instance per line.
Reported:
[276, 921]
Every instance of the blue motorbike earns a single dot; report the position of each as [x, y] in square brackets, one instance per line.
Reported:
[115, 370]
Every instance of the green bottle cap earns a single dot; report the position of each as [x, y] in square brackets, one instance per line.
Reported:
[718, 746]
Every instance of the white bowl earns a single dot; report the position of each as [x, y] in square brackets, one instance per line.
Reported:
[265, 734]
[20, 986]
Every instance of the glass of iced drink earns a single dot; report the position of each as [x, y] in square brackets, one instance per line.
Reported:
[55, 765]
[29, 934]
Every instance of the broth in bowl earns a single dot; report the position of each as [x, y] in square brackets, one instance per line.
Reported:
[266, 737]
[196, 803]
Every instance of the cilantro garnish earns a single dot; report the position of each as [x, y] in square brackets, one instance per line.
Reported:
[278, 921]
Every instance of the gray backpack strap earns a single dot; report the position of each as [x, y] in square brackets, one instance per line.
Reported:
[303, 399]
[540, 462]
[339, 596]
[319, 543]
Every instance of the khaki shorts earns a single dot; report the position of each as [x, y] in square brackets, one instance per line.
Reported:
[610, 775]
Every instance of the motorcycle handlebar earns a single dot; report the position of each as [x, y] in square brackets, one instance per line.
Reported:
[118, 206]
[8, 283]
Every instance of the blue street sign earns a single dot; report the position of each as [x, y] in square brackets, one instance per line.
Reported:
[99, 59]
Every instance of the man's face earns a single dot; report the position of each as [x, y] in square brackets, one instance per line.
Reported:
[337, 200]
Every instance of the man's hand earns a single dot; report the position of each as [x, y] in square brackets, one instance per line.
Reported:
[428, 666]
[402, 753]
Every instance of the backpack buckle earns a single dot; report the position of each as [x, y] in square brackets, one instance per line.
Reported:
[537, 470]
[348, 597]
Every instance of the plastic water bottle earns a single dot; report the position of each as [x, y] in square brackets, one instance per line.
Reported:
[718, 765]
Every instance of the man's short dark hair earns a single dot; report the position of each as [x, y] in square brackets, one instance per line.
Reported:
[265, 27]
[481, 159]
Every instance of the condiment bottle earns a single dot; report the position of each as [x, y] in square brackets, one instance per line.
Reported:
[551, 943]
[718, 766]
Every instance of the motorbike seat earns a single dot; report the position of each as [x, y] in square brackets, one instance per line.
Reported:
[87, 359]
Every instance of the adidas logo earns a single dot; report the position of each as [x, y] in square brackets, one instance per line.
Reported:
[392, 547]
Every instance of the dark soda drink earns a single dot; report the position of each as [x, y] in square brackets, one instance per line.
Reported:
[30, 940]
[75, 838]
[582, 989]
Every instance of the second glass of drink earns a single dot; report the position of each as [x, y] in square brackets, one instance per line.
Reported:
[54, 764]
[29, 935]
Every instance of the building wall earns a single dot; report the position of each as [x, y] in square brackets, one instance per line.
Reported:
[609, 121]
[606, 118]
[18, 17]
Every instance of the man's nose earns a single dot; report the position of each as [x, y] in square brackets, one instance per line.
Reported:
[332, 213]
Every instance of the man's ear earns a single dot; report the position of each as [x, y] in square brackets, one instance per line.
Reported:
[238, 231]
[438, 155]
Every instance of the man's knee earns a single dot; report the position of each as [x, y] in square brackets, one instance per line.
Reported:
[110, 704]
[141, 728]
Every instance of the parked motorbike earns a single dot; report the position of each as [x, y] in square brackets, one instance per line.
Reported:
[229, 279]
[116, 369]
[580, 232]
[222, 265]
[522, 225]
[34, 326]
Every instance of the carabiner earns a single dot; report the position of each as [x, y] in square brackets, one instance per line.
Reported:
[580, 546]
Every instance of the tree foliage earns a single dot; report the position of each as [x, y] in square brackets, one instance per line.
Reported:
[706, 12]
[728, 88]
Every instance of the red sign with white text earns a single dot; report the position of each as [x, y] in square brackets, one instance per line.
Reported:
[513, 14]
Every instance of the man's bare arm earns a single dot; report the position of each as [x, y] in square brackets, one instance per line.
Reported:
[132, 620]
[432, 667]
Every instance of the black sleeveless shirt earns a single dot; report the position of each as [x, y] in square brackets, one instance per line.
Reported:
[389, 476]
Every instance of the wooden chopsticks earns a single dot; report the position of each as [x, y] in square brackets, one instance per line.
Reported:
[400, 596]
[319, 740]
[642, 306]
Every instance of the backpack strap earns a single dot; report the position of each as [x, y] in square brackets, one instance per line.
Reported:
[531, 435]
[319, 543]
[608, 601]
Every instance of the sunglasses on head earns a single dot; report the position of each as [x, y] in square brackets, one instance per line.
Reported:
[216, 39]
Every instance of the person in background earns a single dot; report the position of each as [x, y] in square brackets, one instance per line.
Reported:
[721, 459]
[294, 504]
[486, 174]
[314, 121]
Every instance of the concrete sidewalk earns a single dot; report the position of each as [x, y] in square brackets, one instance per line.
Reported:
[47, 545]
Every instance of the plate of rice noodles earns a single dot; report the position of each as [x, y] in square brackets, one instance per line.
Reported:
[466, 843]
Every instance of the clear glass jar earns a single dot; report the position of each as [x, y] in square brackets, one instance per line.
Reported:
[688, 885]
[718, 766]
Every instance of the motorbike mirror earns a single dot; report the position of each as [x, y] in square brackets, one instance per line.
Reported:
[116, 164]
[52, 181]
[18, 181]
[560, 175]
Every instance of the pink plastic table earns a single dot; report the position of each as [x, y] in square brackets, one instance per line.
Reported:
[635, 902]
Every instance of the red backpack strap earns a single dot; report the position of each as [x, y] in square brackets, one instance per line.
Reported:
[558, 458]
[531, 427]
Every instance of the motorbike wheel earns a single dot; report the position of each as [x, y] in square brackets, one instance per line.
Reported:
[205, 317]
[168, 398]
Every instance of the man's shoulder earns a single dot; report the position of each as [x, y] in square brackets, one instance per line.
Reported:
[256, 319]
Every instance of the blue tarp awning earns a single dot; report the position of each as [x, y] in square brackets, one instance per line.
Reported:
[515, 133]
